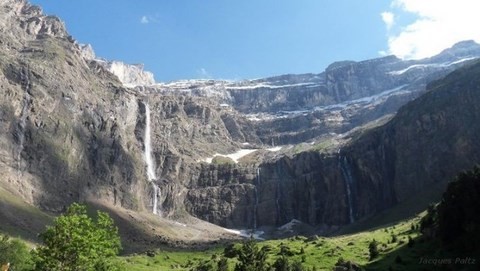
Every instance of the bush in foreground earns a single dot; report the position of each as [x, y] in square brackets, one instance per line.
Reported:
[78, 242]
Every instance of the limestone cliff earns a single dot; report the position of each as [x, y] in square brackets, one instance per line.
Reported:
[425, 144]
[66, 127]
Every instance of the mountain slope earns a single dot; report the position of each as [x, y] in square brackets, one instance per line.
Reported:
[425, 144]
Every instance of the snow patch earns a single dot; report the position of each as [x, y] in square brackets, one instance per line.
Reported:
[246, 87]
[368, 99]
[234, 156]
[434, 65]
[274, 149]
[246, 233]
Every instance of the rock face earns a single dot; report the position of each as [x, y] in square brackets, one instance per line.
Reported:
[426, 143]
[66, 131]
[129, 75]
[291, 109]
[73, 131]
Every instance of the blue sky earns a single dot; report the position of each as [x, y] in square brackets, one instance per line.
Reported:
[244, 39]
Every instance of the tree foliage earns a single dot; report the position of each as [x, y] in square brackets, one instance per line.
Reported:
[16, 253]
[282, 264]
[251, 257]
[77, 242]
[459, 212]
[222, 264]
[373, 249]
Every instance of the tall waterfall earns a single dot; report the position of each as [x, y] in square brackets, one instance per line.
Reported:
[150, 162]
[255, 206]
[347, 176]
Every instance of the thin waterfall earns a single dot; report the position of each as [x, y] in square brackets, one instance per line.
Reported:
[26, 84]
[156, 194]
[150, 162]
[347, 176]
[255, 206]
[277, 199]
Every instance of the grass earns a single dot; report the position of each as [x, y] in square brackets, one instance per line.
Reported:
[321, 252]
[222, 160]
[21, 220]
[409, 208]
[167, 260]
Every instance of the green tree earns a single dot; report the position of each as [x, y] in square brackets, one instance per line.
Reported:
[394, 238]
[458, 212]
[430, 220]
[16, 253]
[297, 266]
[281, 264]
[222, 264]
[251, 257]
[373, 249]
[204, 266]
[230, 251]
[77, 242]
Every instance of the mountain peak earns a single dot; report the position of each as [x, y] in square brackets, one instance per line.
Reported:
[460, 49]
[465, 44]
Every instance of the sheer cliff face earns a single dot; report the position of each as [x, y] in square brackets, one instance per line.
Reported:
[71, 131]
[66, 131]
[426, 144]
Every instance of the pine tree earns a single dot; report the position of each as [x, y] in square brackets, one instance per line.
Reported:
[251, 257]
[373, 249]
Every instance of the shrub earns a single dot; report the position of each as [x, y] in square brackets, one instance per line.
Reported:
[77, 240]
[14, 252]
[373, 249]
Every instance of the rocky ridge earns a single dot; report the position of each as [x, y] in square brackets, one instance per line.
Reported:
[131, 75]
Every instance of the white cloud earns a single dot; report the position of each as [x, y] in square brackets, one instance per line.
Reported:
[144, 19]
[388, 18]
[203, 73]
[147, 19]
[438, 25]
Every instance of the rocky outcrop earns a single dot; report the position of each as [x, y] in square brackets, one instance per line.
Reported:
[130, 75]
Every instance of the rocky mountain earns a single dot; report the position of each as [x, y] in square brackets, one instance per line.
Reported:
[346, 95]
[131, 75]
[327, 149]
[66, 123]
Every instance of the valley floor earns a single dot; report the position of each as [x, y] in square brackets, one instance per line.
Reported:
[319, 252]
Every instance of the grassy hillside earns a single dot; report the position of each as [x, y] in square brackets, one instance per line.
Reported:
[319, 252]
[401, 246]
[19, 219]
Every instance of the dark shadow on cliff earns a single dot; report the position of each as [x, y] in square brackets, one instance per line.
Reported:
[403, 210]
[19, 219]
